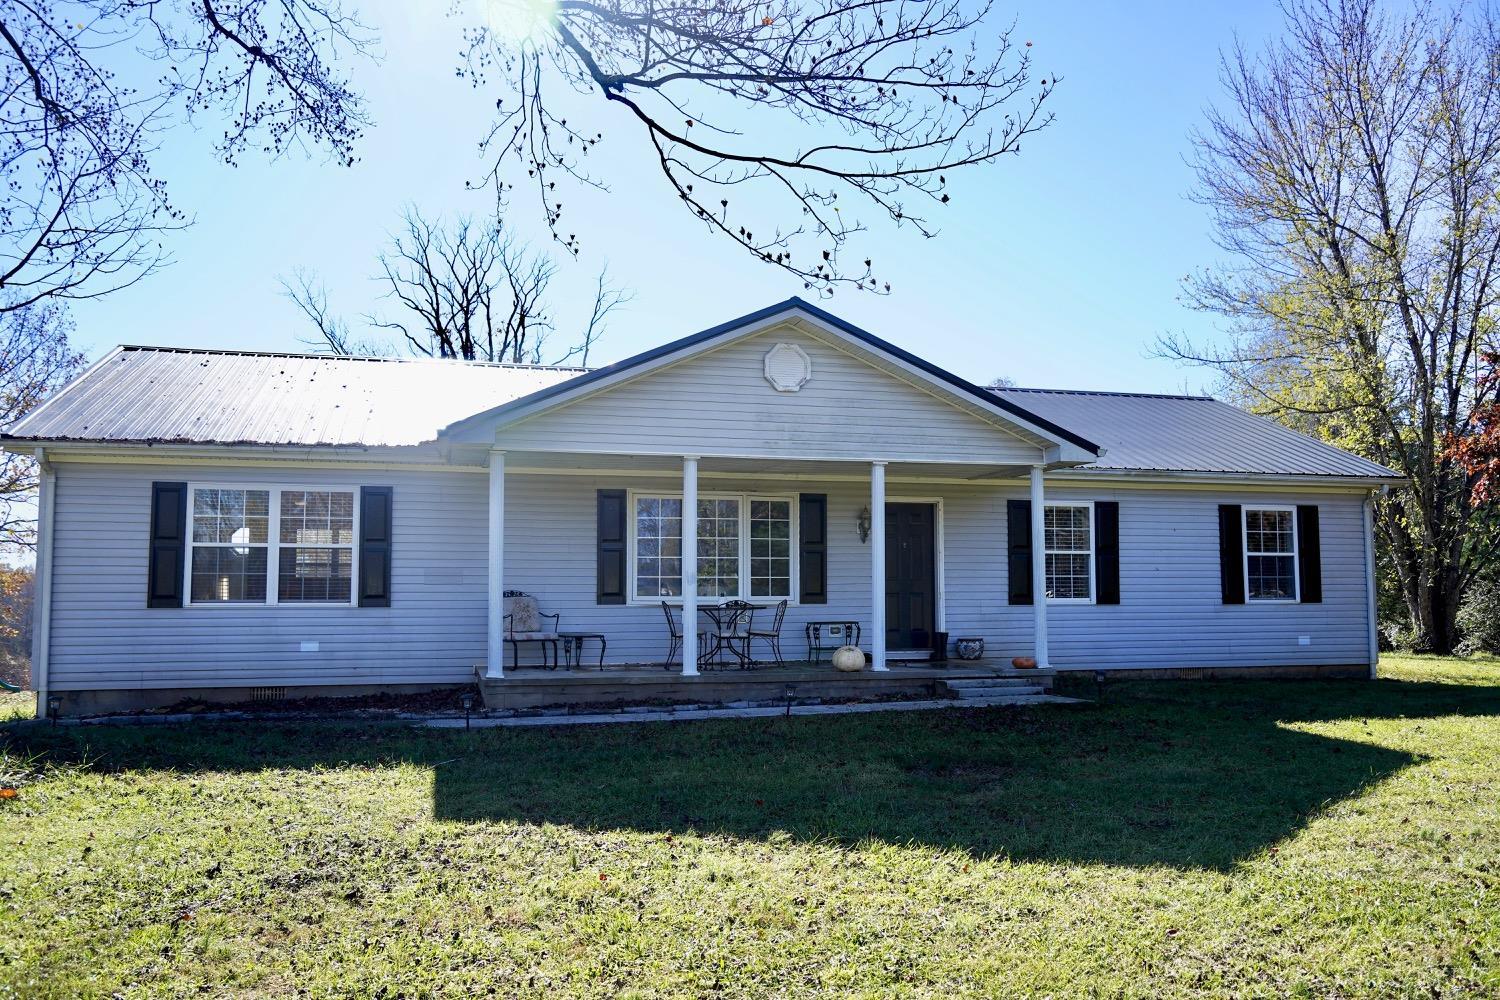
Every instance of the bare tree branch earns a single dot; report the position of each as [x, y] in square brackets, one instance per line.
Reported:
[874, 100]
[310, 295]
[87, 87]
[462, 290]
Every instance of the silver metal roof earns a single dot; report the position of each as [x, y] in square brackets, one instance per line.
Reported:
[163, 395]
[169, 395]
[1145, 433]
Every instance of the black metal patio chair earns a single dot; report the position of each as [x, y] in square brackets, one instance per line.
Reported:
[770, 636]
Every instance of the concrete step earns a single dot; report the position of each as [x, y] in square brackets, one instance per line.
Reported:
[991, 682]
[1008, 691]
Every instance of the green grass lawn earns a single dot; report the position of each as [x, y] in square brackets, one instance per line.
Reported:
[1179, 839]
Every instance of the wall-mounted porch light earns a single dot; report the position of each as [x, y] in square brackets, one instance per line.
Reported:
[864, 523]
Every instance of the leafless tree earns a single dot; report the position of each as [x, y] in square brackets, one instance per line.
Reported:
[607, 298]
[464, 290]
[88, 86]
[309, 294]
[821, 107]
[36, 359]
[1353, 178]
[468, 290]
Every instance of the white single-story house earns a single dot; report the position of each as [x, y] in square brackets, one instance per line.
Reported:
[222, 523]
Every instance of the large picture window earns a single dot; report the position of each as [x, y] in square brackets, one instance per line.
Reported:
[1069, 548]
[1270, 554]
[271, 545]
[745, 547]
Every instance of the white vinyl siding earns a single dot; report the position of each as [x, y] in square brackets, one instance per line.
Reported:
[721, 404]
[105, 637]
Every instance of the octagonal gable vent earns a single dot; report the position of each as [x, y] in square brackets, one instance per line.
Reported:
[788, 367]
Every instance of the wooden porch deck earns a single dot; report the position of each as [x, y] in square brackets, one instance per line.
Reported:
[652, 685]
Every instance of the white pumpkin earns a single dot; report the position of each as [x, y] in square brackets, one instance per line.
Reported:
[849, 659]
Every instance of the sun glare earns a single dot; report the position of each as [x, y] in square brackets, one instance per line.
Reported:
[518, 19]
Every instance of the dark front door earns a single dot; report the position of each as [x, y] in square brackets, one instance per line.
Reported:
[910, 576]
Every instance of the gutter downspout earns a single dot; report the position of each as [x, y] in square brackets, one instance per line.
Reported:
[1374, 637]
[41, 639]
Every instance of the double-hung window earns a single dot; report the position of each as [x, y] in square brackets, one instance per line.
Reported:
[1069, 547]
[745, 547]
[271, 545]
[1270, 554]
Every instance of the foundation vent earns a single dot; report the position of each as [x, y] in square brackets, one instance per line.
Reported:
[268, 694]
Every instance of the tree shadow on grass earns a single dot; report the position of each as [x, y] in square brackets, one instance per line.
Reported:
[1190, 775]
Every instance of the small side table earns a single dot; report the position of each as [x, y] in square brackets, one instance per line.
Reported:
[830, 636]
[572, 644]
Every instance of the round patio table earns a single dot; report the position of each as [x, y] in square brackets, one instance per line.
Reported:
[727, 633]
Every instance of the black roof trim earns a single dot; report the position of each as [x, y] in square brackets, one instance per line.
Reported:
[749, 319]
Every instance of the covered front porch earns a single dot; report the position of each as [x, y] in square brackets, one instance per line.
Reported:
[853, 562]
[797, 682]
[784, 456]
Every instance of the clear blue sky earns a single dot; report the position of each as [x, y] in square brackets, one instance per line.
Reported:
[1056, 268]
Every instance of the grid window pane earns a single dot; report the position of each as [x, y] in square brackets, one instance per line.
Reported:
[1272, 578]
[229, 532]
[317, 517]
[658, 547]
[239, 516]
[729, 530]
[1270, 555]
[1067, 576]
[770, 548]
[228, 574]
[315, 574]
[719, 548]
[315, 563]
[1067, 533]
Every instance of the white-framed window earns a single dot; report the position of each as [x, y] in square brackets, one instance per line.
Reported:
[1068, 545]
[746, 546]
[271, 544]
[1270, 553]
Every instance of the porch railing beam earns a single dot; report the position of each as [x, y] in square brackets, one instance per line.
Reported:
[1039, 567]
[877, 565]
[689, 565]
[495, 647]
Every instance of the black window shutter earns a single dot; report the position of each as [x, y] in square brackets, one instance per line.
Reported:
[611, 547]
[1309, 555]
[1231, 554]
[812, 535]
[168, 537]
[1018, 535]
[375, 546]
[1107, 551]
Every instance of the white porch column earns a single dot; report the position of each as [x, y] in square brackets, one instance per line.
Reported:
[1039, 566]
[495, 662]
[690, 565]
[877, 565]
